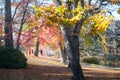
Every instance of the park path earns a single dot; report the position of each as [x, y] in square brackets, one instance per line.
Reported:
[45, 61]
[45, 69]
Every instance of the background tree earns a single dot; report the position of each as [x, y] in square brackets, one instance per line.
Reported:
[22, 22]
[37, 41]
[117, 36]
[1, 22]
[8, 24]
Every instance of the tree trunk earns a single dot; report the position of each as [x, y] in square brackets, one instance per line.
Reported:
[8, 24]
[63, 53]
[37, 47]
[21, 24]
[72, 47]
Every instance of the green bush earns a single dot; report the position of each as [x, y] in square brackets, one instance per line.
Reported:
[113, 63]
[12, 58]
[91, 60]
[1, 48]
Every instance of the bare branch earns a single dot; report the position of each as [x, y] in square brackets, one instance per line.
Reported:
[15, 11]
[82, 3]
[21, 25]
[57, 2]
[79, 24]
[96, 3]
[89, 2]
[69, 5]
[76, 3]
[101, 2]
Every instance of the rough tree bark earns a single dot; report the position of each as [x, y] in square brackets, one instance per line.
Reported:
[37, 47]
[72, 47]
[8, 24]
[71, 37]
[63, 53]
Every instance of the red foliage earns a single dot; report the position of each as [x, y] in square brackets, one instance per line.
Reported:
[47, 34]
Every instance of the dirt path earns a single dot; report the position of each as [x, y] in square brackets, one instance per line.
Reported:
[44, 69]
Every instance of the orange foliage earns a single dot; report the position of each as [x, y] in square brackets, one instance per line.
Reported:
[37, 28]
[1, 30]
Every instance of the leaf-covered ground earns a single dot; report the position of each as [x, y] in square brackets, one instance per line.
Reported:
[44, 69]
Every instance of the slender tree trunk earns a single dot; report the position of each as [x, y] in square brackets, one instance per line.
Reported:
[37, 47]
[8, 24]
[21, 24]
[63, 53]
[72, 47]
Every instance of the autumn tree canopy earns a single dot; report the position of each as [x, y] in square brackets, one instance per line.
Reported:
[71, 17]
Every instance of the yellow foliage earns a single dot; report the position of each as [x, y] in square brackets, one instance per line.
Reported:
[59, 14]
[118, 11]
[100, 23]
[104, 42]
[1, 30]
[87, 21]
[103, 11]
[114, 1]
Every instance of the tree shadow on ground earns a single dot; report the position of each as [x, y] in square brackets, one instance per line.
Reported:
[101, 75]
[37, 72]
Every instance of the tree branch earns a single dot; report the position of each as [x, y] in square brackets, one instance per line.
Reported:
[101, 2]
[79, 24]
[21, 25]
[69, 5]
[15, 11]
[76, 3]
[57, 2]
[82, 3]
[89, 2]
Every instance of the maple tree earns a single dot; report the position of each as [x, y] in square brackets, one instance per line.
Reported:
[40, 33]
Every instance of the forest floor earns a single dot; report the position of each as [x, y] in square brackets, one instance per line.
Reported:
[45, 69]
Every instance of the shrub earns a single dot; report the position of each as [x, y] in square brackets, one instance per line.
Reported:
[91, 59]
[12, 58]
[1, 48]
